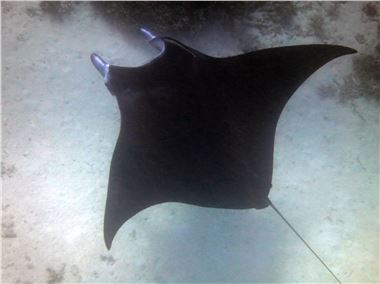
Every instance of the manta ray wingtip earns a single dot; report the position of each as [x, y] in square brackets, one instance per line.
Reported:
[343, 50]
[108, 238]
[349, 50]
[108, 243]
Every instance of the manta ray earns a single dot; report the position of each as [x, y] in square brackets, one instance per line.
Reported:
[198, 129]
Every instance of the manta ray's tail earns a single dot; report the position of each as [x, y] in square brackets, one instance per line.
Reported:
[302, 239]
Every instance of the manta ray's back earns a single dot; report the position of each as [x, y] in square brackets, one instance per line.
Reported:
[198, 129]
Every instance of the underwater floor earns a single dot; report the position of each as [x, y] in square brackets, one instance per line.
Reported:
[60, 125]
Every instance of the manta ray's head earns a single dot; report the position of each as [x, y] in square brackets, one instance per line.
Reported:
[104, 68]
[163, 68]
[156, 89]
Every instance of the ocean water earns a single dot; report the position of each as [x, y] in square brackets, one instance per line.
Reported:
[60, 125]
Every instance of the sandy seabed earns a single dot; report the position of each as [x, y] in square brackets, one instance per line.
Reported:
[60, 125]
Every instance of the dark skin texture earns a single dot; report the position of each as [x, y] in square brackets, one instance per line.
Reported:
[200, 130]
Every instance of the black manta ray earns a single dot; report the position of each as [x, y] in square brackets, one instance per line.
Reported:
[198, 129]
